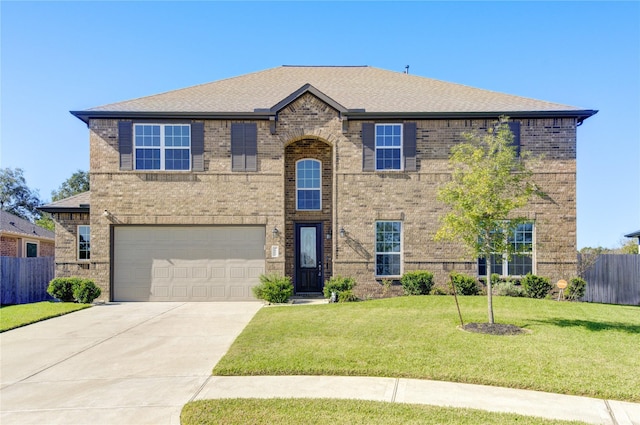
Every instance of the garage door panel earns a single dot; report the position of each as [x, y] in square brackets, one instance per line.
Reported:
[169, 263]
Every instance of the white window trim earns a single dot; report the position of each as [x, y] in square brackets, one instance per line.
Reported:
[319, 189]
[375, 145]
[24, 247]
[505, 262]
[78, 243]
[401, 253]
[162, 147]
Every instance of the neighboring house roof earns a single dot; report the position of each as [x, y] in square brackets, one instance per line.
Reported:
[633, 235]
[13, 225]
[355, 91]
[76, 203]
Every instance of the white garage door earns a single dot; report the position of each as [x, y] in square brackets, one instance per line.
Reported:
[212, 263]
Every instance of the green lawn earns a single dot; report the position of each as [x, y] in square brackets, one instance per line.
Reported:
[323, 411]
[15, 316]
[572, 348]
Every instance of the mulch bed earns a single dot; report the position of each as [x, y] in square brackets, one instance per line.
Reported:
[493, 329]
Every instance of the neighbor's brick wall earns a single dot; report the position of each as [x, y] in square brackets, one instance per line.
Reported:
[8, 246]
[219, 196]
[47, 249]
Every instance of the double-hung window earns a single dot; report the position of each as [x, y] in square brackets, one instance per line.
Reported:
[84, 242]
[162, 146]
[388, 146]
[308, 185]
[388, 248]
[521, 261]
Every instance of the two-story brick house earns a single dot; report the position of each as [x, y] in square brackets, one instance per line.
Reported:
[309, 172]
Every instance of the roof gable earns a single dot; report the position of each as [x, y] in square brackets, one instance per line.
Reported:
[356, 89]
[307, 88]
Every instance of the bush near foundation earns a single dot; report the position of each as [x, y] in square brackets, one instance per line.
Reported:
[536, 286]
[342, 286]
[73, 289]
[417, 282]
[464, 284]
[273, 288]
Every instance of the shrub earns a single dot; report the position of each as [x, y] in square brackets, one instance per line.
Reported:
[417, 282]
[575, 289]
[273, 288]
[347, 296]
[62, 288]
[508, 288]
[342, 286]
[73, 289]
[536, 286]
[464, 284]
[86, 291]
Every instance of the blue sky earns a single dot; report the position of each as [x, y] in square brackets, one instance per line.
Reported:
[62, 56]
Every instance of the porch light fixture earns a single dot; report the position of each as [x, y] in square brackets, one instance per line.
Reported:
[342, 232]
[275, 231]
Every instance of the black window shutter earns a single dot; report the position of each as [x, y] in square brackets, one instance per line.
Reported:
[125, 145]
[514, 126]
[368, 147]
[409, 146]
[237, 147]
[251, 147]
[197, 146]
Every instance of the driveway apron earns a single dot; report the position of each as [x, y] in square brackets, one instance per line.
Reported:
[124, 363]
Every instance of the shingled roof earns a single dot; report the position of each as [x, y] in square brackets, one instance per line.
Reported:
[358, 91]
[72, 204]
[14, 225]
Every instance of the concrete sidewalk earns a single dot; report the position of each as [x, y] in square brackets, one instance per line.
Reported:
[414, 391]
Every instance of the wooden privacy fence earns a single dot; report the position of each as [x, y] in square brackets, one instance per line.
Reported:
[25, 280]
[613, 279]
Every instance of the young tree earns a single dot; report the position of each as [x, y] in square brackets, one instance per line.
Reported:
[77, 183]
[16, 197]
[488, 182]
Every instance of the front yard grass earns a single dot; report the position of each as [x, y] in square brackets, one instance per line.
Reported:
[15, 316]
[572, 348]
[330, 411]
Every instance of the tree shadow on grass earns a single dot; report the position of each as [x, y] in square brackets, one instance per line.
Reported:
[592, 325]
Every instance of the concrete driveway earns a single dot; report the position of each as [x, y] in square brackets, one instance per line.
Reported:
[128, 363]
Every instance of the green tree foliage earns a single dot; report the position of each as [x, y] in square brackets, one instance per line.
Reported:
[488, 182]
[16, 197]
[77, 183]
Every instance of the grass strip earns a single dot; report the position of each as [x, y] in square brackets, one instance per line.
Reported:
[332, 411]
[15, 316]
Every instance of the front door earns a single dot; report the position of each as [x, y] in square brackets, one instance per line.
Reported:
[309, 273]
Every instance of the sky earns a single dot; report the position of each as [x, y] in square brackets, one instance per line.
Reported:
[62, 56]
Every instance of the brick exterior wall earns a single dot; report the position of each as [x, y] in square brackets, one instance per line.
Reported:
[352, 199]
[66, 249]
[8, 246]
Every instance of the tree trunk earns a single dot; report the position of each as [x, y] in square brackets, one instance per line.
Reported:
[489, 289]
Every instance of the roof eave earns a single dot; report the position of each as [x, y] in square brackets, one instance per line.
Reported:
[265, 114]
[580, 115]
[56, 210]
[85, 116]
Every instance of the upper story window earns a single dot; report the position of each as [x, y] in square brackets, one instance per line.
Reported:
[388, 248]
[162, 146]
[84, 242]
[388, 146]
[308, 185]
[521, 261]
